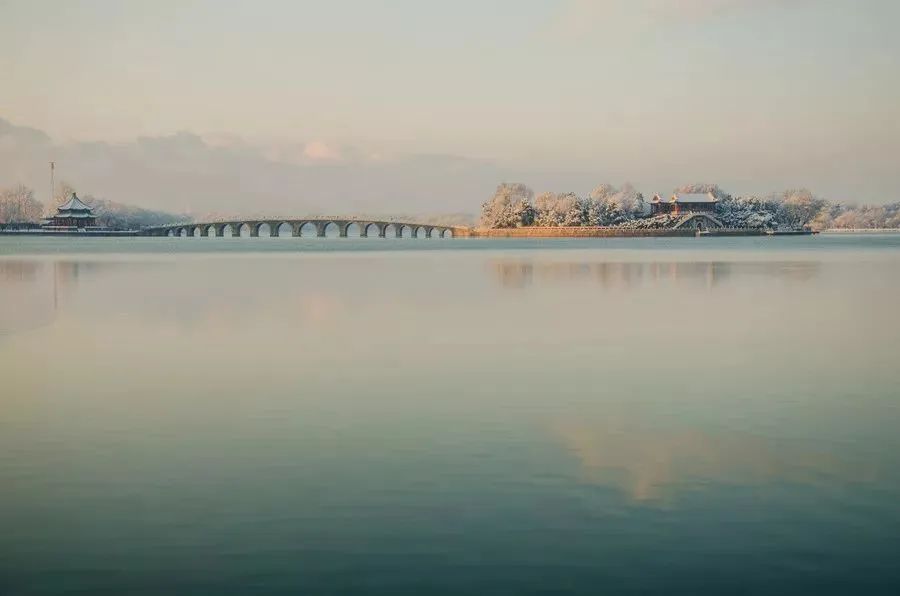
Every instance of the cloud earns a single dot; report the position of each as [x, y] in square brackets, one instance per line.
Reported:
[227, 174]
[319, 151]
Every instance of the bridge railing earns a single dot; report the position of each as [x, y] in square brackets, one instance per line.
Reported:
[311, 219]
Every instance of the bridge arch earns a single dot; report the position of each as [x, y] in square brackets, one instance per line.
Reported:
[352, 229]
[699, 222]
[329, 228]
[263, 229]
[375, 228]
[322, 227]
[306, 229]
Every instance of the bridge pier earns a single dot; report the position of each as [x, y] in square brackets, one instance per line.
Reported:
[204, 231]
[320, 229]
[254, 230]
[273, 229]
[220, 231]
[295, 230]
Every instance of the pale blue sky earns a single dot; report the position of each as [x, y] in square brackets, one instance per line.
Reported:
[658, 92]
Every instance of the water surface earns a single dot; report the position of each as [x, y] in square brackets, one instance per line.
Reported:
[262, 416]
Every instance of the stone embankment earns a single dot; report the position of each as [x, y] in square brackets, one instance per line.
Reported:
[597, 232]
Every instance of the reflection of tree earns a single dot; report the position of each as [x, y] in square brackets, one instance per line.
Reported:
[18, 271]
[26, 299]
[627, 275]
[645, 462]
[34, 290]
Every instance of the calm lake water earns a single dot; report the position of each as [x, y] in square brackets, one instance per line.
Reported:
[307, 416]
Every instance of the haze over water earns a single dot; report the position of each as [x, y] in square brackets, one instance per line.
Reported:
[262, 416]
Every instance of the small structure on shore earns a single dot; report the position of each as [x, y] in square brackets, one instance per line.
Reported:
[682, 203]
[73, 214]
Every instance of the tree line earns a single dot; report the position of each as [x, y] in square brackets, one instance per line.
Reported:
[18, 205]
[514, 205]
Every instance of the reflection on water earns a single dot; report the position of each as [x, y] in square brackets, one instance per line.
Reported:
[648, 462]
[402, 422]
[33, 290]
[519, 273]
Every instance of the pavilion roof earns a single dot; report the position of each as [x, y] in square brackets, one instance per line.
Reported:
[694, 197]
[74, 204]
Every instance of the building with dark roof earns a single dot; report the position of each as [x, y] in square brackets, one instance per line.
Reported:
[681, 203]
[74, 213]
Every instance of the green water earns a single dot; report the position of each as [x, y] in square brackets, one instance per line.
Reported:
[399, 416]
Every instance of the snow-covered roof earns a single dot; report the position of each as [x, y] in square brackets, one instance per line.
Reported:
[693, 197]
[74, 204]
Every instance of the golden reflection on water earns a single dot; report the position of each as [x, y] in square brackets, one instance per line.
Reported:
[646, 462]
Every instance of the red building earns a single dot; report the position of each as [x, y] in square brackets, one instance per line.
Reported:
[73, 214]
[684, 203]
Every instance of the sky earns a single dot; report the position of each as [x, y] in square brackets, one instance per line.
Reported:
[425, 106]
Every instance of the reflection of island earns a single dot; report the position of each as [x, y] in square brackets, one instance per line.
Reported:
[612, 275]
[646, 462]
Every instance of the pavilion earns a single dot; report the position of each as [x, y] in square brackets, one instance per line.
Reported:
[681, 203]
[74, 213]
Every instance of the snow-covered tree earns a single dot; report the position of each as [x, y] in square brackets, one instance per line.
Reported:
[799, 207]
[510, 207]
[609, 206]
[566, 209]
[748, 212]
[18, 205]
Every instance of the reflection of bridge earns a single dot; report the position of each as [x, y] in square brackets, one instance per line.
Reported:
[317, 226]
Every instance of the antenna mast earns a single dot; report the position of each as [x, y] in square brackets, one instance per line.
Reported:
[52, 167]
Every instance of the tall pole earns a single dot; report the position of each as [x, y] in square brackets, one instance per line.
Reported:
[52, 167]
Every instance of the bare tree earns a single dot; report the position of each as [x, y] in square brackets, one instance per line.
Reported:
[18, 205]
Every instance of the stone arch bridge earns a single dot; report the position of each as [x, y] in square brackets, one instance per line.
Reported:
[699, 222]
[367, 227]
